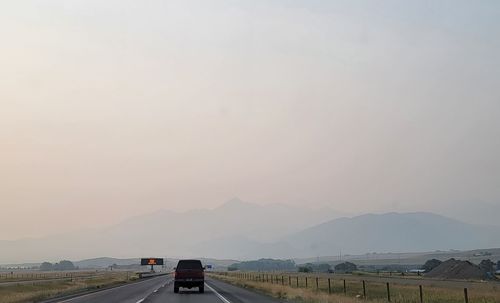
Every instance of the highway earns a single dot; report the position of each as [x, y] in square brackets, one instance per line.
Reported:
[160, 289]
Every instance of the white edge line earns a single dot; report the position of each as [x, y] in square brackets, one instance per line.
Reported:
[218, 294]
[141, 300]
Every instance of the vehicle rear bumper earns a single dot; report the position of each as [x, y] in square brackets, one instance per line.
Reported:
[189, 282]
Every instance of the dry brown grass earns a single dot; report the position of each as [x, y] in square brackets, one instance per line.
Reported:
[36, 275]
[376, 291]
[286, 292]
[39, 291]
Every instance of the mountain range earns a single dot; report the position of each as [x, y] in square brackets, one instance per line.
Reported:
[242, 230]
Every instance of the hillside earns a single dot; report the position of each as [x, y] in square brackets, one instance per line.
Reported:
[105, 262]
[392, 232]
[231, 232]
[195, 233]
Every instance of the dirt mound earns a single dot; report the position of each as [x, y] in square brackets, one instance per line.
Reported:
[487, 265]
[455, 269]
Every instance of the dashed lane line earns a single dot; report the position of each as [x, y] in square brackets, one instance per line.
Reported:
[104, 291]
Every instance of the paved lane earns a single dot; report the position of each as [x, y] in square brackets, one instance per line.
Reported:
[166, 294]
[215, 292]
[161, 289]
[131, 293]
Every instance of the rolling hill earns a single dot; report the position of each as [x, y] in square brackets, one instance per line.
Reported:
[241, 230]
[176, 234]
[392, 232]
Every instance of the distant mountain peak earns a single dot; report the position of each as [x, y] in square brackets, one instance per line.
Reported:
[235, 200]
[236, 203]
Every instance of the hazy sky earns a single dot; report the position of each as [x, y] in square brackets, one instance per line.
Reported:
[115, 108]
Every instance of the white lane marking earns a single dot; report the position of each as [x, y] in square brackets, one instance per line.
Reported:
[103, 291]
[141, 300]
[156, 290]
[218, 294]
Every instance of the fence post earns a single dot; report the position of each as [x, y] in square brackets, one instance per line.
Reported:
[329, 286]
[290, 280]
[364, 289]
[345, 288]
[317, 283]
[388, 293]
[306, 282]
[282, 280]
[421, 294]
[297, 281]
[466, 295]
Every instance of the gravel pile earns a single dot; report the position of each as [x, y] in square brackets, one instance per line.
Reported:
[456, 269]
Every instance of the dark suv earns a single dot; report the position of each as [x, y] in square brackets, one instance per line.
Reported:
[189, 273]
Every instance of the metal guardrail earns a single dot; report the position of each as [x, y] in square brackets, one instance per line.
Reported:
[143, 275]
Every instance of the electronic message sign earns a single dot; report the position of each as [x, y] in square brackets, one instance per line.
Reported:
[151, 261]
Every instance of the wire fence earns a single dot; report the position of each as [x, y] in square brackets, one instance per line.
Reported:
[416, 290]
[34, 276]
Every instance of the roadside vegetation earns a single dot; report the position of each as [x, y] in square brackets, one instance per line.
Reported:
[44, 275]
[404, 290]
[67, 285]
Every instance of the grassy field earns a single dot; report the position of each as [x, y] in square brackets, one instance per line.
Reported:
[401, 290]
[382, 259]
[18, 293]
[33, 276]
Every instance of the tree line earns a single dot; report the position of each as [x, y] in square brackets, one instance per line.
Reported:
[61, 266]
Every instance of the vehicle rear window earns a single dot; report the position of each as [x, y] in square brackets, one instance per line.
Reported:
[189, 264]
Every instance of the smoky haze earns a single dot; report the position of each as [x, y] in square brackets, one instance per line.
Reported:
[115, 109]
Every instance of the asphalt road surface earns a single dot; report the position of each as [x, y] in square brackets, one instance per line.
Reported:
[161, 289]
